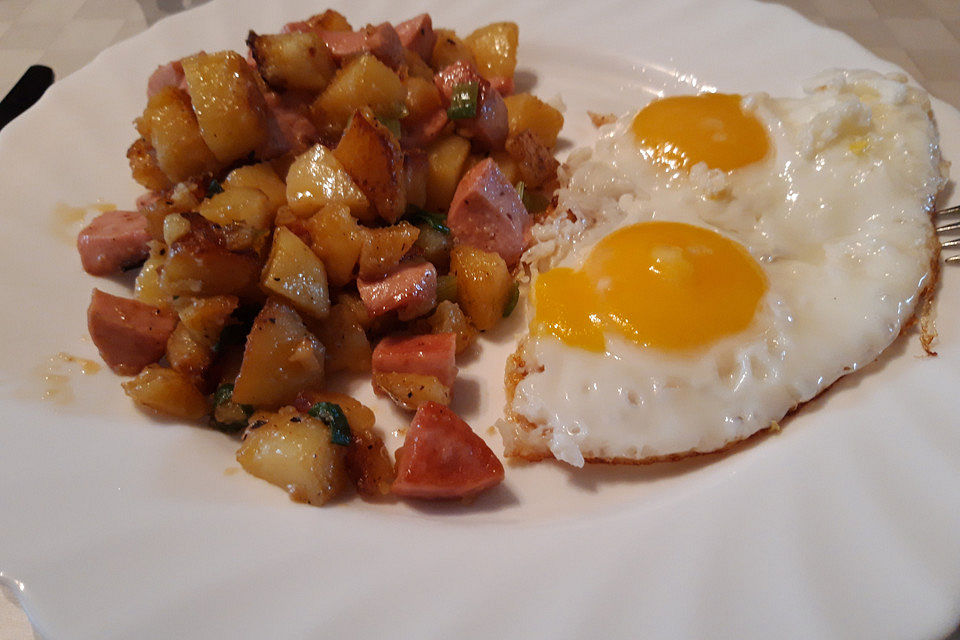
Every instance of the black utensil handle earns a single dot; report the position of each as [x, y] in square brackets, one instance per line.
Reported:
[31, 85]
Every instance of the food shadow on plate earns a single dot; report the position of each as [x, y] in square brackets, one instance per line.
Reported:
[496, 499]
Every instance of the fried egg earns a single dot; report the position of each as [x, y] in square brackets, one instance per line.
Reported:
[716, 260]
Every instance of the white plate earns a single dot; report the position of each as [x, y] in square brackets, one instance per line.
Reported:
[846, 525]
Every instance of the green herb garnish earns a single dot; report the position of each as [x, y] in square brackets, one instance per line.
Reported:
[435, 221]
[464, 100]
[332, 415]
[512, 300]
[447, 288]
[393, 124]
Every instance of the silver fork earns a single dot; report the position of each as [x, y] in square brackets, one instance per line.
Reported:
[950, 227]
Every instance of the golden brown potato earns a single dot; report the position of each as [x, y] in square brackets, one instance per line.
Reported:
[181, 199]
[190, 346]
[170, 126]
[202, 263]
[336, 238]
[147, 286]
[446, 163]
[526, 111]
[316, 178]
[260, 176]
[364, 82]
[295, 273]
[346, 342]
[280, 358]
[494, 48]
[293, 450]
[416, 66]
[449, 318]
[535, 163]
[383, 248]
[423, 98]
[329, 20]
[507, 165]
[298, 60]
[238, 204]
[144, 167]
[356, 307]
[372, 157]
[448, 49]
[434, 246]
[228, 104]
[410, 390]
[167, 392]
[483, 284]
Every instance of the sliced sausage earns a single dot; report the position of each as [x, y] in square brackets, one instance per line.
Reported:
[442, 457]
[128, 333]
[167, 75]
[380, 40]
[420, 133]
[417, 34]
[411, 290]
[113, 241]
[289, 129]
[487, 213]
[489, 128]
[429, 355]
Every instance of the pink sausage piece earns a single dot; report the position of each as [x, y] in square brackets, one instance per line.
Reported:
[487, 213]
[488, 129]
[289, 130]
[411, 290]
[417, 34]
[442, 458]
[429, 355]
[167, 75]
[381, 40]
[419, 134]
[128, 333]
[113, 241]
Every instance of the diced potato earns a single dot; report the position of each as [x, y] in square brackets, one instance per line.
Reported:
[316, 179]
[295, 273]
[448, 49]
[483, 284]
[144, 167]
[293, 450]
[356, 307]
[535, 163]
[526, 111]
[167, 392]
[494, 48]
[415, 170]
[298, 60]
[170, 126]
[383, 248]
[259, 176]
[446, 163]
[228, 103]
[417, 66]
[369, 465]
[449, 318]
[434, 246]
[410, 390]
[508, 166]
[329, 20]
[280, 359]
[364, 82]
[202, 263]
[336, 238]
[190, 346]
[372, 157]
[147, 286]
[423, 98]
[347, 346]
[238, 204]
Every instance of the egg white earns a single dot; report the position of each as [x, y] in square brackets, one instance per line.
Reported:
[838, 217]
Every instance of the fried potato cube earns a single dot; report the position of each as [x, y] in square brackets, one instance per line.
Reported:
[293, 450]
[316, 178]
[227, 101]
[167, 392]
[364, 82]
[417, 66]
[170, 126]
[190, 346]
[434, 246]
[423, 98]
[346, 342]
[260, 176]
[147, 287]
[280, 358]
[483, 284]
[446, 163]
[201, 262]
[535, 163]
[329, 20]
[494, 48]
[383, 248]
[336, 238]
[410, 390]
[298, 60]
[526, 111]
[238, 204]
[295, 273]
[373, 158]
[449, 318]
[144, 168]
[448, 49]
[508, 166]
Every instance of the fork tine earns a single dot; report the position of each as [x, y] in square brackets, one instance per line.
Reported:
[950, 244]
[952, 260]
[953, 226]
[948, 211]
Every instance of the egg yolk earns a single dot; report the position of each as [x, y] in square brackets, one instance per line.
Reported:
[666, 285]
[680, 131]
